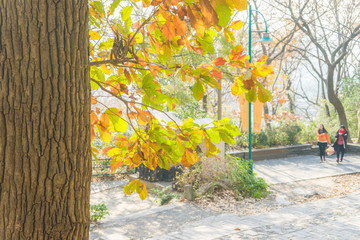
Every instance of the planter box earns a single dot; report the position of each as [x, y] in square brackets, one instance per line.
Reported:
[353, 148]
[274, 153]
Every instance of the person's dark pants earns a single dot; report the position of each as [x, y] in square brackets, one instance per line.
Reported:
[322, 148]
[340, 150]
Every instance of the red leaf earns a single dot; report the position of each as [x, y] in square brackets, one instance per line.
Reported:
[216, 74]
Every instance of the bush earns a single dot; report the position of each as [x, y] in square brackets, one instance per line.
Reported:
[163, 195]
[234, 173]
[244, 182]
[281, 135]
[98, 212]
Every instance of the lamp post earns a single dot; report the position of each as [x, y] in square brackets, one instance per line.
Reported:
[266, 40]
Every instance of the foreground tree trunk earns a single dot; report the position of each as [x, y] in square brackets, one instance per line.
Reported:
[45, 166]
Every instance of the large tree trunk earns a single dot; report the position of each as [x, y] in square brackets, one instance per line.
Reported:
[45, 165]
[335, 101]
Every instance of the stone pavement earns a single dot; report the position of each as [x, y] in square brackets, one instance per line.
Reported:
[304, 167]
[333, 218]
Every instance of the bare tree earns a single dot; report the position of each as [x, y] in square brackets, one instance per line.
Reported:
[316, 20]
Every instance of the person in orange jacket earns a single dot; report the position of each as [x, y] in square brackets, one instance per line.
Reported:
[323, 141]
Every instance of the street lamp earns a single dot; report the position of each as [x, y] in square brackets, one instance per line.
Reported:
[265, 40]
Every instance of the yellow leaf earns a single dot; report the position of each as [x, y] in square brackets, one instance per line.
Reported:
[139, 38]
[240, 5]
[94, 35]
[144, 192]
[105, 136]
[237, 25]
[105, 69]
[131, 187]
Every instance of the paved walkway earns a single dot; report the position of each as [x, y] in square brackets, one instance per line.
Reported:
[304, 167]
[334, 218]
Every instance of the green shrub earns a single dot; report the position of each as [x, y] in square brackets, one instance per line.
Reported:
[163, 195]
[282, 134]
[244, 182]
[98, 212]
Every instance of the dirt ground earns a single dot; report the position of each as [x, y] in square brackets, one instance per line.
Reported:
[282, 195]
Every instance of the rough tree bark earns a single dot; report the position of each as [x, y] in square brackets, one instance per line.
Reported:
[45, 158]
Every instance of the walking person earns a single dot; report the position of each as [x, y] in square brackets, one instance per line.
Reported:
[340, 143]
[323, 141]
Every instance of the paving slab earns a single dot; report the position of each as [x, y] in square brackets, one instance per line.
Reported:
[333, 218]
[304, 167]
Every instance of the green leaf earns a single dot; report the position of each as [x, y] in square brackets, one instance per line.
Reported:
[94, 85]
[126, 12]
[98, 6]
[264, 95]
[251, 95]
[120, 125]
[107, 44]
[113, 6]
[198, 90]
[97, 74]
[224, 12]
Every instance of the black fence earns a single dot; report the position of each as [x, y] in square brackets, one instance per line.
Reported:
[158, 174]
[102, 166]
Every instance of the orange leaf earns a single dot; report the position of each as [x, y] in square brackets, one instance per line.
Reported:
[93, 118]
[180, 26]
[210, 16]
[93, 100]
[169, 29]
[154, 70]
[92, 133]
[136, 25]
[142, 62]
[127, 75]
[115, 164]
[219, 61]
[105, 120]
[216, 74]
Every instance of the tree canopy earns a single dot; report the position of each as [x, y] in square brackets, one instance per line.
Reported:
[135, 44]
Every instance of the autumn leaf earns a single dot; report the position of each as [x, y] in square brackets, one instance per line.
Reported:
[169, 30]
[113, 6]
[219, 61]
[216, 74]
[93, 100]
[236, 25]
[264, 95]
[114, 115]
[251, 95]
[126, 12]
[198, 90]
[224, 12]
[239, 5]
[105, 69]
[180, 26]
[94, 35]
[210, 16]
